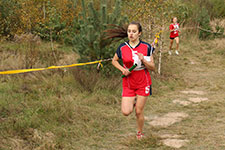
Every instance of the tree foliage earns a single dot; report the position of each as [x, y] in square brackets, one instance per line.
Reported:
[59, 17]
[37, 16]
[90, 41]
[9, 20]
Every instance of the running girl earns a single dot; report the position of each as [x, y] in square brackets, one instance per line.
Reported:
[174, 30]
[137, 83]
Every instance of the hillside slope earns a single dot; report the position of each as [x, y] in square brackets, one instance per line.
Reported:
[53, 110]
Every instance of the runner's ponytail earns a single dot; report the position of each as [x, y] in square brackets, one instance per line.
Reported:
[120, 31]
[116, 32]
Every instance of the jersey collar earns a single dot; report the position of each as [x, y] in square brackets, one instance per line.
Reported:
[136, 45]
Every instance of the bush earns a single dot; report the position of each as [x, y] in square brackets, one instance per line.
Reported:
[204, 22]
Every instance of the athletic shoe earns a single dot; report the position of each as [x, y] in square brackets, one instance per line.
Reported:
[169, 52]
[177, 52]
[139, 135]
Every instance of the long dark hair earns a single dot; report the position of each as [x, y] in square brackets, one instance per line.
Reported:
[120, 31]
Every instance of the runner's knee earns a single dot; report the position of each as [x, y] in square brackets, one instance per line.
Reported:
[126, 112]
[139, 112]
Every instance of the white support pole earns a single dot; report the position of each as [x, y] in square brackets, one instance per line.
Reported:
[160, 55]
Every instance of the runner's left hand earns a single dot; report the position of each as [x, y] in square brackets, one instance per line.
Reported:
[141, 56]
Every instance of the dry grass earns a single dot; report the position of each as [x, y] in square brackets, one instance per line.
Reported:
[54, 109]
[217, 22]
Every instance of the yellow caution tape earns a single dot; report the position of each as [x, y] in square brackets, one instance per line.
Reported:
[52, 67]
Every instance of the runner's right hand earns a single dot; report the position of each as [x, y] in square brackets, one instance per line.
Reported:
[126, 72]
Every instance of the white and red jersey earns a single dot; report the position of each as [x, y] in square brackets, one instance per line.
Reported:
[138, 78]
[175, 27]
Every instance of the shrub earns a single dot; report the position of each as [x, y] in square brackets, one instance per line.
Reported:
[204, 22]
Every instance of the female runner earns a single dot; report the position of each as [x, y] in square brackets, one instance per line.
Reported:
[174, 30]
[137, 83]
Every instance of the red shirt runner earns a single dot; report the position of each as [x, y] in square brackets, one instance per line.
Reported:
[174, 33]
[138, 82]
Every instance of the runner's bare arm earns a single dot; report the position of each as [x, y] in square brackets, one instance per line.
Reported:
[118, 66]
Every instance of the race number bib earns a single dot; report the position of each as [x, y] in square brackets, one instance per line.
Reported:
[147, 89]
